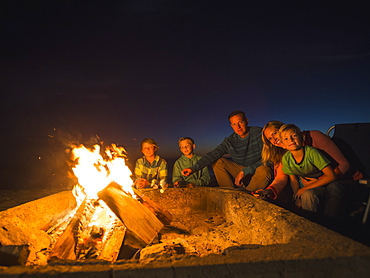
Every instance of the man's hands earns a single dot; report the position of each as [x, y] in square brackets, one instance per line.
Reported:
[238, 179]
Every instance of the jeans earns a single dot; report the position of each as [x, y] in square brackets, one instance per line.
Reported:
[327, 200]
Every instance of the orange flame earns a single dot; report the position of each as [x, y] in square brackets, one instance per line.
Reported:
[94, 172]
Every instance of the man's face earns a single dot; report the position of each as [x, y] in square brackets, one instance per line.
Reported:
[186, 147]
[239, 125]
[291, 140]
[148, 150]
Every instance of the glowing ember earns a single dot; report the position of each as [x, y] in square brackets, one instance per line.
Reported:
[94, 172]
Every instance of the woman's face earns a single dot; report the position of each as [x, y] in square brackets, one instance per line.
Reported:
[272, 134]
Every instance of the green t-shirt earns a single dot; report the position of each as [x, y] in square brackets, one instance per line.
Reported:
[311, 165]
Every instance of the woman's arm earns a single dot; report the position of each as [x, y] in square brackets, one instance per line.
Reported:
[323, 142]
[277, 185]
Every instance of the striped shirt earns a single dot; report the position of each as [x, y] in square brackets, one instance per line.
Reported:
[157, 170]
[243, 151]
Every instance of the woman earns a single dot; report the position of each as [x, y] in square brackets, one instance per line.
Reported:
[272, 151]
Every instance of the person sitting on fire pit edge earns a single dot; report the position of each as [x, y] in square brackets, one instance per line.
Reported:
[188, 159]
[150, 170]
[244, 146]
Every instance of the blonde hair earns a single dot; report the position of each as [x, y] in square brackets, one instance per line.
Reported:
[149, 141]
[291, 127]
[186, 138]
[270, 152]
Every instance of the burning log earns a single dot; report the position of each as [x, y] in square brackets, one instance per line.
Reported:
[141, 224]
[114, 246]
[93, 232]
[163, 215]
[66, 244]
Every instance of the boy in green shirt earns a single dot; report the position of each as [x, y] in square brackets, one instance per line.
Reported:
[312, 178]
[188, 159]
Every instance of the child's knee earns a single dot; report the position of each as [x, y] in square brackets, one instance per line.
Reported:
[309, 196]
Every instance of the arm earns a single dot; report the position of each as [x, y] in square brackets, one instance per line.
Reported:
[277, 185]
[279, 182]
[238, 179]
[163, 170]
[294, 183]
[209, 158]
[176, 172]
[253, 152]
[140, 181]
[138, 171]
[327, 177]
[323, 142]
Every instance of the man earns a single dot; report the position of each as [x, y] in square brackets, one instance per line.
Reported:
[244, 146]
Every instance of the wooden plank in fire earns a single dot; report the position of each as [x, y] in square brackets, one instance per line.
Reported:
[142, 225]
[163, 215]
[113, 246]
[66, 244]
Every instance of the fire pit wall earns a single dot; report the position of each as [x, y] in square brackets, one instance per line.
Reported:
[280, 243]
[23, 225]
[264, 224]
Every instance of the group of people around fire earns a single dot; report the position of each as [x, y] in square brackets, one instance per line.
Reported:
[298, 170]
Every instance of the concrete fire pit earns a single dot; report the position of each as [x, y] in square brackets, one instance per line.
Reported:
[214, 233]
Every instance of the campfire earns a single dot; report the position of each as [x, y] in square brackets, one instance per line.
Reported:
[111, 227]
[110, 219]
[214, 231]
[109, 212]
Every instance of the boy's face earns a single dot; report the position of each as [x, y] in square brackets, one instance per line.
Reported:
[291, 140]
[148, 150]
[186, 147]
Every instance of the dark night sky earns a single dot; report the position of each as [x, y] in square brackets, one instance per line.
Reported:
[126, 70]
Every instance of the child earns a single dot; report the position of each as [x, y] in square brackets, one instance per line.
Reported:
[188, 159]
[150, 169]
[312, 178]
